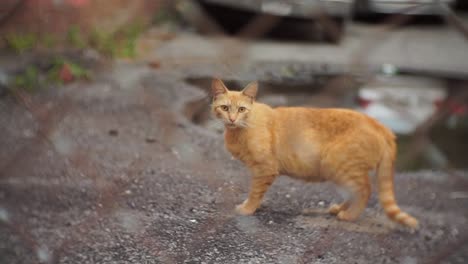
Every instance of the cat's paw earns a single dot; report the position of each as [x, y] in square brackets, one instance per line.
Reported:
[242, 209]
[334, 209]
[346, 216]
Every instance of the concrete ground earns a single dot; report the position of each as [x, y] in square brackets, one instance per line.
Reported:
[110, 171]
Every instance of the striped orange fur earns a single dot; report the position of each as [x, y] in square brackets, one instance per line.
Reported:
[310, 144]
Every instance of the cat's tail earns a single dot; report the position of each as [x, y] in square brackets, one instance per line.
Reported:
[386, 193]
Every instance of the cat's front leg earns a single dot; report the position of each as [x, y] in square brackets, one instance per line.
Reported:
[245, 209]
[258, 187]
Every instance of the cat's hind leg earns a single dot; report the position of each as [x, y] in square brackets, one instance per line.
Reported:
[360, 190]
[346, 161]
[335, 208]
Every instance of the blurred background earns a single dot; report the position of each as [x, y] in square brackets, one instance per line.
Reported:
[394, 60]
[99, 96]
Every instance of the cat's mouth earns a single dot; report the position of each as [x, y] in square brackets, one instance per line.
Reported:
[230, 125]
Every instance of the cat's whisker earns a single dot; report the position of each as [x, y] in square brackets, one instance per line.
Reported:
[219, 122]
[245, 124]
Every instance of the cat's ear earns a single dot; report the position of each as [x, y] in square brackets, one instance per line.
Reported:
[218, 88]
[251, 90]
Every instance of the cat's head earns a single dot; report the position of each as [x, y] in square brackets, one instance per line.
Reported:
[232, 107]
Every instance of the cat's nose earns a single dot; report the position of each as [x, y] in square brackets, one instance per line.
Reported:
[232, 119]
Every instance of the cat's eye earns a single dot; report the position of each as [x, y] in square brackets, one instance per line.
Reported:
[224, 107]
[241, 109]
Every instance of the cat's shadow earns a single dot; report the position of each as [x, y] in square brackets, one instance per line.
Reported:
[312, 218]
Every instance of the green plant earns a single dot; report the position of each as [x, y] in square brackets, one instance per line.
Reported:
[62, 71]
[27, 80]
[103, 43]
[75, 38]
[48, 41]
[77, 71]
[119, 44]
[128, 43]
[21, 42]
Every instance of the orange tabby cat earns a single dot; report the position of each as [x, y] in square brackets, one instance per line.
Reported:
[310, 144]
